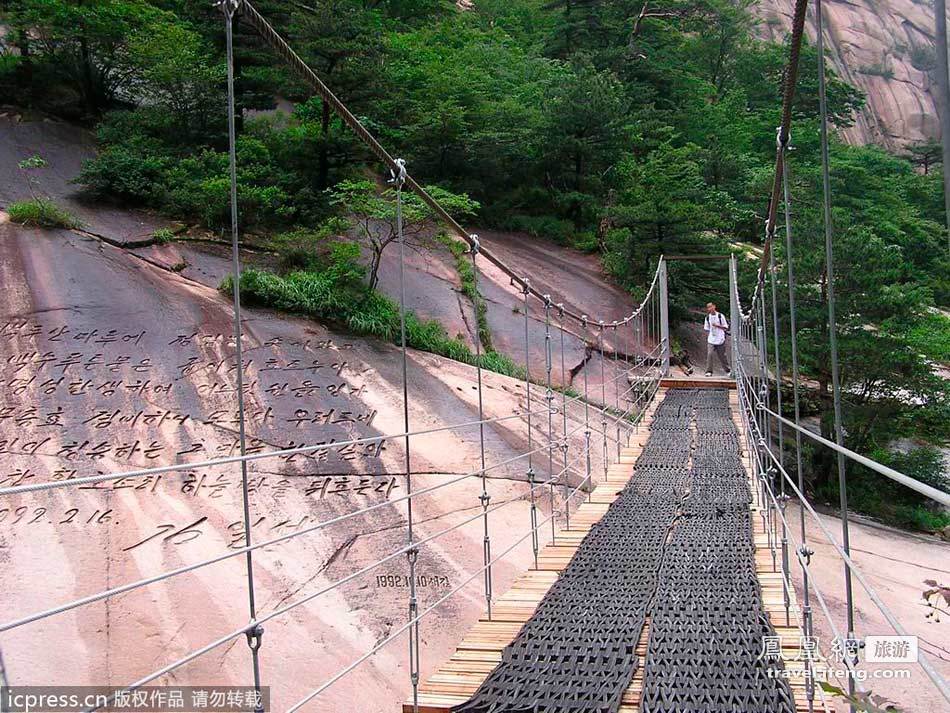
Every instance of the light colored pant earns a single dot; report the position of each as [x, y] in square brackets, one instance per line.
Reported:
[720, 350]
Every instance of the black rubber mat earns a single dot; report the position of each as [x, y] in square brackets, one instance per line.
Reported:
[675, 546]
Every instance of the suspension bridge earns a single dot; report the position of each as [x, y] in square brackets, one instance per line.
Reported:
[663, 551]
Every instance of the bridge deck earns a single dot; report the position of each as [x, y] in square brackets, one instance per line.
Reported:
[481, 649]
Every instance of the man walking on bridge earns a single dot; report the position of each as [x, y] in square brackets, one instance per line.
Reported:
[717, 327]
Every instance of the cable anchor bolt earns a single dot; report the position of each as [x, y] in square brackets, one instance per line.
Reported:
[229, 7]
[397, 175]
[254, 634]
[412, 554]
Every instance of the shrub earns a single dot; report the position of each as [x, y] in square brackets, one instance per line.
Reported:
[336, 293]
[544, 226]
[878, 496]
[878, 69]
[41, 212]
[163, 235]
[924, 58]
[128, 172]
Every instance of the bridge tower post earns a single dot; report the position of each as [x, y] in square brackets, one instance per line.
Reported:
[664, 318]
[734, 326]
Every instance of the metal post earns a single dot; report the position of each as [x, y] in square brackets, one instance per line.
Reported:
[832, 331]
[735, 325]
[565, 448]
[664, 319]
[254, 633]
[603, 392]
[587, 432]
[484, 498]
[549, 399]
[617, 385]
[526, 290]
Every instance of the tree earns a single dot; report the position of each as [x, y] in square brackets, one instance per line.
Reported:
[586, 129]
[664, 206]
[889, 264]
[375, 216]
[171, 67]
[924, 154]
[85, 41]
[341, 41]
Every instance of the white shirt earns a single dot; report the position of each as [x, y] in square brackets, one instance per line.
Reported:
[716, 325]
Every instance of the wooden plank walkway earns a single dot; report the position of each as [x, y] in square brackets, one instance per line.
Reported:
[480, 651]
[698, 382]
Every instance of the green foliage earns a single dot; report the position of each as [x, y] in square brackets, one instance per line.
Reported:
[924, 58]
[930, 335]
[466, 273]
[42, 213]
[337, 294]
[34, 161]
[163, 235]
[882, 498]
[375, 214]
[81, 49]
[878, 69]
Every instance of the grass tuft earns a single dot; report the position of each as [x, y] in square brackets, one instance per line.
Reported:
[337, 295]
[43, 213]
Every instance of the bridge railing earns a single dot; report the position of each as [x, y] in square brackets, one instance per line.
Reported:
[602, 425]
[757, 379]
[569, 436]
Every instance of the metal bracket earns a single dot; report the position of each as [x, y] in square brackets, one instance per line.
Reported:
[229, 7]
[254, 635]
[398, 175]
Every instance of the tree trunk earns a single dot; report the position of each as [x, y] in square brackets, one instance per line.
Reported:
[374, 268]
[323, 156]
[26, 64]
[88, 83]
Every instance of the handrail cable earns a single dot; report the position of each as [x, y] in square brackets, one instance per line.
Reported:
[196, 653]
[121, 589]
[845, 556]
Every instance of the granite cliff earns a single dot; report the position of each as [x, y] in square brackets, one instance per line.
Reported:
[886, 49]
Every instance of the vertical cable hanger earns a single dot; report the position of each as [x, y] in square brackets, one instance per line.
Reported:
[484, 498]
[833, 332]
[526, 290]
[398, 179]
[565, 447]
[549, 400]
[255, 632]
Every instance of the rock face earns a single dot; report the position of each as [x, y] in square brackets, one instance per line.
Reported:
[112, 361]
[886, 49]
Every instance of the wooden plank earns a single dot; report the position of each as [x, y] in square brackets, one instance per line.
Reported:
[480, 650]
